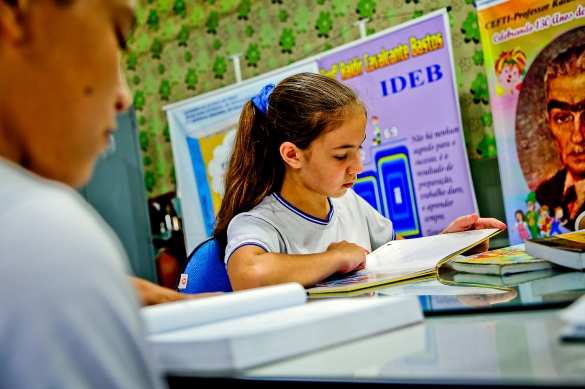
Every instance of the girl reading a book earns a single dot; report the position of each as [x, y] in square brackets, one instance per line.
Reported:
[288, 213]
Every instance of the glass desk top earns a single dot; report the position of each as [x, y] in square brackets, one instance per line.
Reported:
[452, 292]
[473, 334]
[487, 349]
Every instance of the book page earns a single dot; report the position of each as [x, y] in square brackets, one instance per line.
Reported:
[181, 314]
[424, 252]
[403, 259]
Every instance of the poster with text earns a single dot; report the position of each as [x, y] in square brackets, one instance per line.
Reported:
[535, 62]
[416, 170]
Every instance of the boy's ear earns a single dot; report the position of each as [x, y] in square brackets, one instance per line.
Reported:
[291, 155]
[13, 19]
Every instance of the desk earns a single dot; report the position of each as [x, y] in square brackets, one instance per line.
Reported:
[520, 348]
[508, 348]
[458, 346]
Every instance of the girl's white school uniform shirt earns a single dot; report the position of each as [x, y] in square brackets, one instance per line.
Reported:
[277, 226]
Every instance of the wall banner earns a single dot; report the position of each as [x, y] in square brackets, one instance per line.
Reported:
[416, 170]
[535, 60]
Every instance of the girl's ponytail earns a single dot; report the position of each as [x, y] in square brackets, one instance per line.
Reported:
[251, 170]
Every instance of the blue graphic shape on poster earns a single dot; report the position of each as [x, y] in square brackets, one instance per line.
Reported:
[200, 173]
[397, 189]
[366, 186]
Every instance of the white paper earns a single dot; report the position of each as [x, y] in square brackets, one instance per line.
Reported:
[187, 313]
[291, 317]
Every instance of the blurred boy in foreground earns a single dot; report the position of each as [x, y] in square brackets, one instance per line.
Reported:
[68, 314]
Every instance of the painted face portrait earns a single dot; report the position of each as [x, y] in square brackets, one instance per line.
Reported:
[566, 119]
[550, 125]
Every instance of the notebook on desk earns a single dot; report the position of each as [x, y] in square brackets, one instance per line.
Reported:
[244, 329]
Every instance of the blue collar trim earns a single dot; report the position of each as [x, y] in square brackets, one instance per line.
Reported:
[304, 215]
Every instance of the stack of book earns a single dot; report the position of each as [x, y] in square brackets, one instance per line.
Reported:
[566, 249]
[503, 267]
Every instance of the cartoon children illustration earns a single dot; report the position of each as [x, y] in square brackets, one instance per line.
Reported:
[532, 215]
[521, 226]
[377, 138]
[544, 221]
[510, 67]
[558, 221]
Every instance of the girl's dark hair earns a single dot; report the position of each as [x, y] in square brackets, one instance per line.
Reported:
[301, 108]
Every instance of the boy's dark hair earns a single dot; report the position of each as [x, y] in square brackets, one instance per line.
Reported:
[301, 108]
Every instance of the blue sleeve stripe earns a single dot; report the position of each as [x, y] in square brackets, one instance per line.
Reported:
[247, 244]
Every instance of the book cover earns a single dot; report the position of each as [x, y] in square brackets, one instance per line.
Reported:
[573, 241]
[507, 260]
[565, 249]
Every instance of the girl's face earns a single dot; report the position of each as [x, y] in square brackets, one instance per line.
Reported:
[332, 162]
[519, 217]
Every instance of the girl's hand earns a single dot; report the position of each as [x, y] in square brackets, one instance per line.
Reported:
[474, 222]
[351, 256]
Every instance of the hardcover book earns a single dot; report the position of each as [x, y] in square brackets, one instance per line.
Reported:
[565, 249]
[501, 262]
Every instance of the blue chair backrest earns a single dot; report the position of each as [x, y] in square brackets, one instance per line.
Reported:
[205, 270]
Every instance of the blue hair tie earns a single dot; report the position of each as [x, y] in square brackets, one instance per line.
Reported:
[261, 99]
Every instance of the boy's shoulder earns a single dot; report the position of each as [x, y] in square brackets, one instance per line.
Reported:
[25, 189]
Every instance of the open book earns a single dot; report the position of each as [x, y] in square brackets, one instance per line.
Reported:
[399, 260]
[244, 329]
